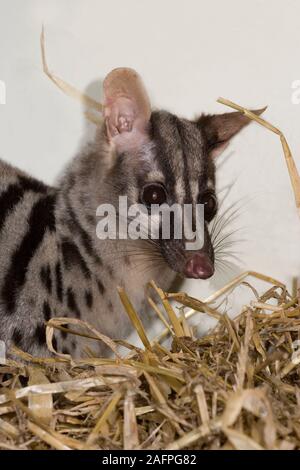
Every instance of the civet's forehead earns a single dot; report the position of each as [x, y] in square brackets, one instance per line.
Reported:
[180, 156]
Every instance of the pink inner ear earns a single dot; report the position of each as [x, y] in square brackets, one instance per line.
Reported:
[126, 129]
[120, 116]
[126, 109]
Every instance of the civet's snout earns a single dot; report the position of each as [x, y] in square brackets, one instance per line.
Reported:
[199, 266]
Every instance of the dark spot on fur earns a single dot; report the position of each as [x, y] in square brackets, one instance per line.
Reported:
[64, 334]
[88, 298]
[17, 337]
[8, 200]
[72, 304]
[45, 275]
[127, 260]
[90, 219]
[15, 193]
[75, 227]
[31, 184]
[40, 334]
[54, 343]
[100, 287]
[65, 351]
[58, 279]
[46, 311]
[41, 220]
[72, 257]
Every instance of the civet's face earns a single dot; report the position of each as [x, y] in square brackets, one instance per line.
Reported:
[159, 158]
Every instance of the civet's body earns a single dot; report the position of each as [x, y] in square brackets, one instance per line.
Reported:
[51, 261]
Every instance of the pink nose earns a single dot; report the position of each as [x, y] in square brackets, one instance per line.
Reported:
[199, 267]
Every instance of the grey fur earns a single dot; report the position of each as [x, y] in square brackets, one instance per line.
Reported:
[59, 267]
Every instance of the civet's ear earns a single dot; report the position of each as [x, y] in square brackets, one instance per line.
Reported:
[218, 129]
[127, 109]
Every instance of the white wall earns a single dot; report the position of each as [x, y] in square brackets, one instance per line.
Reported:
[188, 53]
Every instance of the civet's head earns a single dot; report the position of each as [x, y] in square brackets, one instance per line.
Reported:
[157, 158]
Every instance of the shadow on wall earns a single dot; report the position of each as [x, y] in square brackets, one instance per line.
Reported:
[89, 128]
[95, 91]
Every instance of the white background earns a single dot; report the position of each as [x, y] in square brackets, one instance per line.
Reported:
[189, 53]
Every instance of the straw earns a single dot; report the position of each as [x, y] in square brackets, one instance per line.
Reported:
[292, 169]
[234, 388]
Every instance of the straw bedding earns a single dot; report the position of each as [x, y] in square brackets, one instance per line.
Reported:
[237, 387]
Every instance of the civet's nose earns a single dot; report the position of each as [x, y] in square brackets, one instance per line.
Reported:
[199, 267]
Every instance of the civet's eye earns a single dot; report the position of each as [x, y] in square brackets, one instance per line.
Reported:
[209, 200]
[153, 194]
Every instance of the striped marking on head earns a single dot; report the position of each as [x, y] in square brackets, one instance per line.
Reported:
[180, 157]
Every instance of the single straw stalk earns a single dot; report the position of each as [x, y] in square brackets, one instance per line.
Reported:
[292, 169]
[135, 320]
[169, 310]
[66, 88]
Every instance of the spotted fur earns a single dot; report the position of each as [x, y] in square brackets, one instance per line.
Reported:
[51, 261]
